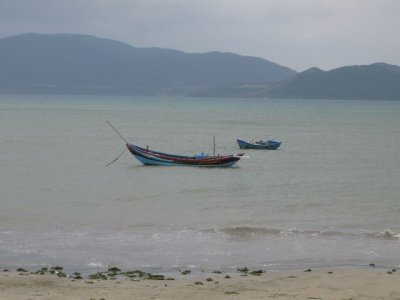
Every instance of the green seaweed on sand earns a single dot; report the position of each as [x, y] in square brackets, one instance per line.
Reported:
[153, 276]
[133, 274]
[111, 274]
[114, 270]
[55, 270]
[246, 271]
[77, 275]
[61, 274]
[42, 271]
[137, 274]
[231, 293]
[257, 272]
[22, 270]
[243, 270]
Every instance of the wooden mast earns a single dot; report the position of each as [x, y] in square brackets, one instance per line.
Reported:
[214, 145]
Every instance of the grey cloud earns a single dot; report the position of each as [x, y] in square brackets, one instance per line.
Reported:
[298, 34]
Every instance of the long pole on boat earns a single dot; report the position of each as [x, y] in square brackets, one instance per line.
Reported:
[117, 132]
[214, 144]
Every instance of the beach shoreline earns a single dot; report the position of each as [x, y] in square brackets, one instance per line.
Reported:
[324, 283]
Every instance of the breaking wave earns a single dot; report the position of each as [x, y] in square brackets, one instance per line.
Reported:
[245, 232]
[386, 235]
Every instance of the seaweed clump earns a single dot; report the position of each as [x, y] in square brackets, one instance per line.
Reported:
[113, 273]
[246, 271]
[59, 271]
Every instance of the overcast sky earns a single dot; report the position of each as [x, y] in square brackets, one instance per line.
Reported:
[295, 33]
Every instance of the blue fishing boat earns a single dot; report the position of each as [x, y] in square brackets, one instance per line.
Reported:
[267, 145]
[151, 157]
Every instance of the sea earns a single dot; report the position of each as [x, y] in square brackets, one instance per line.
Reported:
[328, 197]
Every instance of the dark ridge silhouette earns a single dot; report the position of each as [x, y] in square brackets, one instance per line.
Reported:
[378, 81]
[71, 63]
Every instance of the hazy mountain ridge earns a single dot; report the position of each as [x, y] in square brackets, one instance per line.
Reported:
[73, 63]
[87, 64]
[376, 81]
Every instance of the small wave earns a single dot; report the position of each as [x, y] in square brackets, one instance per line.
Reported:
[386, 235]
[244, 232]
[95, 265]
[248, 232]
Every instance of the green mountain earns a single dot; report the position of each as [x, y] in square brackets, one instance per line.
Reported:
[69, 63]
[377, 81]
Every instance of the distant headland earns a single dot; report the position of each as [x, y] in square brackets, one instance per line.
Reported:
[84, 64]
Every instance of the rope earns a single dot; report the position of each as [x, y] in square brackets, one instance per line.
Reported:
[115, 159]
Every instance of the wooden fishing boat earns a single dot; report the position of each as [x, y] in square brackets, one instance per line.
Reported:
[151, 157]
[267, 145]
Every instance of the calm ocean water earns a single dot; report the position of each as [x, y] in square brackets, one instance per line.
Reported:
[330, 196]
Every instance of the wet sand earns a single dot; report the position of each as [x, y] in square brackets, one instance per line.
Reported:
[315, 284]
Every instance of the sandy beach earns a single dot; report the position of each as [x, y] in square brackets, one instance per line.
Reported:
[300, 284]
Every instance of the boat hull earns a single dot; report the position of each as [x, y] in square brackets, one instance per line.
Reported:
[150, 157]
[270, 145]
